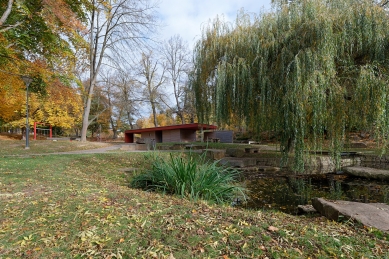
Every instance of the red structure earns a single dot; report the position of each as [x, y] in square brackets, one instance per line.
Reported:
[35, 128]
[174, 133]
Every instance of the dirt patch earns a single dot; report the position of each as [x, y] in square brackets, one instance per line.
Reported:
[7, 136]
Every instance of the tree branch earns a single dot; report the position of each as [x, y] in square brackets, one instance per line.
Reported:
[9, 27]
[6, 13]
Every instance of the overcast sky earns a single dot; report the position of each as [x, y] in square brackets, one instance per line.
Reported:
[186, 17]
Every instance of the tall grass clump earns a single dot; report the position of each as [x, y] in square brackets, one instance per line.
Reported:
[190, 176]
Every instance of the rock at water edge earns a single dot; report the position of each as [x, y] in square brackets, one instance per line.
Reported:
[370, 214]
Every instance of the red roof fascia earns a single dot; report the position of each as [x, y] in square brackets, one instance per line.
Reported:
[192, 126]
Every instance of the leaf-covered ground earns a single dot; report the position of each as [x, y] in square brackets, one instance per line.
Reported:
[74, 206]
[15, 147]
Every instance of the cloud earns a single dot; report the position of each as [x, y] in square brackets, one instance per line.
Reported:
[187, 17]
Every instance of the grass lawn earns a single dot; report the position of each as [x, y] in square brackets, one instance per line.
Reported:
[79, 206]
[13, 147]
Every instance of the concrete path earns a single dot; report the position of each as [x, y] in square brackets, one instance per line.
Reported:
[89, 151]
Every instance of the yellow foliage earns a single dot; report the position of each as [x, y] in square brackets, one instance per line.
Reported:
[162, 120]
[61, 107]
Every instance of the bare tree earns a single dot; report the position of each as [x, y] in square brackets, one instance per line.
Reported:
[110, 92]
[177, 57]
[152, 78]
[127, 97]
[117, 28]
[120, 90]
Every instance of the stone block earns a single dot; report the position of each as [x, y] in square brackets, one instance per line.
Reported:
[141, 147]
[269, 168]
[306, 209]
[238, 162]
[128, 147]
[369, 214]
[235, 152]
[231, 162]
[251, 150]
[367, 172]
[195, 147]
[178, 147]
[163, 147]
[355, 145]
[215, 154]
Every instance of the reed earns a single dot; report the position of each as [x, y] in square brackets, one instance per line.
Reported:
[190, 176]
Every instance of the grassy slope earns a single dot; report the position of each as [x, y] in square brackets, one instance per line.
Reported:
[73, 205]
[12, 147]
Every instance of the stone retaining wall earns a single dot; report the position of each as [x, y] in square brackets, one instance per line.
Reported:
[313, 165]
[376, 161]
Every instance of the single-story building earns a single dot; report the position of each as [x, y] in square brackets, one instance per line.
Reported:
[173, 133]
[222, 136]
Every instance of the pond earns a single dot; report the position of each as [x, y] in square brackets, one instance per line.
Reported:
[286, 192]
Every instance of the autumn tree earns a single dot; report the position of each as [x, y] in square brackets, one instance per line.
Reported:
[40, 36]
[59, 107]
[308, 70]
[39, 39]
[117, 29]
[163, 117]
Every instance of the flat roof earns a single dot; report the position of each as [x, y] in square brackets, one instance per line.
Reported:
[192, 126]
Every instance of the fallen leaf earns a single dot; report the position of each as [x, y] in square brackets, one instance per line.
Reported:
[272, 229]
[298, 250]
[144, 223]
[171, 256]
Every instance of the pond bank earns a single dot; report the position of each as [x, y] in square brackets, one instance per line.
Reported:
[367, 172]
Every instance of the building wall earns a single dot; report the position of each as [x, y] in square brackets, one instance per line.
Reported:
[188, 135]
[208, 136]
[147, 136]
[225, 136]
[128, 138]
[171, 136]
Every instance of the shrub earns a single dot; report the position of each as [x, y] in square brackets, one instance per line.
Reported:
[190, 176]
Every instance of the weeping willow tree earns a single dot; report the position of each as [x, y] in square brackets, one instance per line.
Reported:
[309, 70]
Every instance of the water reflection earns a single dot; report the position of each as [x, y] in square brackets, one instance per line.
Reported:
[285, 193]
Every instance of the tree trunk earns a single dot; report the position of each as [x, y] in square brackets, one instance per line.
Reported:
[92, 80]
[130, 120]
[154, 114]
[114, 129]
[85, 115]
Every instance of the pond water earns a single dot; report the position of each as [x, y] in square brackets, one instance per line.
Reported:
[286, 192]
